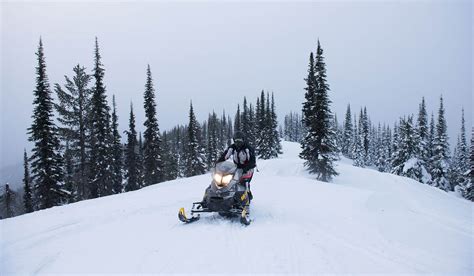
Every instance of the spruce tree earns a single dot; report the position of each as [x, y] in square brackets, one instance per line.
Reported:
[131, 156]
[170, 158]
[348, 133]
[460, 161]
[151, 148]
[423, 131]
[46, 160]
[8, 200]
[238, 120]
[275, 137]
[117, 152]
[69, 186]
[73, 109]
[27, 195]
[212, 140]
[357, 146]
[100, 177]
[195, 158]
[440, 159]
[319, 149]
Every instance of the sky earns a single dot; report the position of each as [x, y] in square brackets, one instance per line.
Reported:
[382, 55]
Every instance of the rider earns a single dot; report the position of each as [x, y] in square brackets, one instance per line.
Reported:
[243, 156]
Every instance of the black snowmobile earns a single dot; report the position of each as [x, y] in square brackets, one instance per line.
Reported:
[228, 195]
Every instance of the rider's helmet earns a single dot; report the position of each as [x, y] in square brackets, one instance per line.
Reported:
[239, 139]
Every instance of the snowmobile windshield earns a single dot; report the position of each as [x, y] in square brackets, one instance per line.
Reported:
[225, 168]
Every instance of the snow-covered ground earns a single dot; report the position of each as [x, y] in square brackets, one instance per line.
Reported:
[363, 222]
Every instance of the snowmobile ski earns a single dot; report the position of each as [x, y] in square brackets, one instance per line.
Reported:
[182, 217]
[244, 217]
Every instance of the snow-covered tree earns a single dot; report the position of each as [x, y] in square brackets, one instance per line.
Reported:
[440, 160]
[195, 157]
[348, 133]
[460, 161]
[319, 145]
[406, 160]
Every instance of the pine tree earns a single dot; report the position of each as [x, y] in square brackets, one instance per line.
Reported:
[69, 185]
[117, 152]
[27, 196]
[423, 131]
[238, 120]
[275, 144]
[140, 163]
[212, 140]
[170, 158]
[131, 157]
[319, 149]
[460, 162]
[348, 133]
[357, 146]
[8, 200]
[73, 109]
[100, 178]
[195, 160]
[252, 134]
[46, 160]
[151, 148]
[430, 142]
[406, 160]
[440, 159]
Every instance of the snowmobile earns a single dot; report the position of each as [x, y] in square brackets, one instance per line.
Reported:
[227, 195]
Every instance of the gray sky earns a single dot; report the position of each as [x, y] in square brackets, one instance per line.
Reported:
[385, 55]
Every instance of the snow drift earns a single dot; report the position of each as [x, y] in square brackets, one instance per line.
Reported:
[363, 222]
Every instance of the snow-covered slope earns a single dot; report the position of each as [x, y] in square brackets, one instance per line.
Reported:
[363, 222]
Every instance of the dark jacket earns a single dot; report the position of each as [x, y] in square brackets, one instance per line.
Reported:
[243, 157]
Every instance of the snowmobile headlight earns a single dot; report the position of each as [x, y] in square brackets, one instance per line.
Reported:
[217, 178]
[226, 179]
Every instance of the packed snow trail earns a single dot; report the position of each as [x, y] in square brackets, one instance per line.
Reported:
[363, 222]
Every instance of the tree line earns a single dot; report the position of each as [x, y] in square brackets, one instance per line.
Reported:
[78, 153]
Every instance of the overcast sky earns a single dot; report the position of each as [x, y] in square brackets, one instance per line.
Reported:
[383, 55]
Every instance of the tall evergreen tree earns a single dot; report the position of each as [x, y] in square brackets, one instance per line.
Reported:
[27, 195]
[238, 120]
[131, 156]
[423, 131]
[319, 149]
[100, 178]
[348, 133]
[195, 159]
[73, 109]
[460, 161]
[275, 137]
[212, 140]
[151, 148]
[46, 165]
[117, 152]
[357, 146]
[440, 159]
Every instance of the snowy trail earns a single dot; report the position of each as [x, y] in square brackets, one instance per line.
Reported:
[364, 222]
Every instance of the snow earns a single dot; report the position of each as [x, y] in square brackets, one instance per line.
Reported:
[363, 222]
